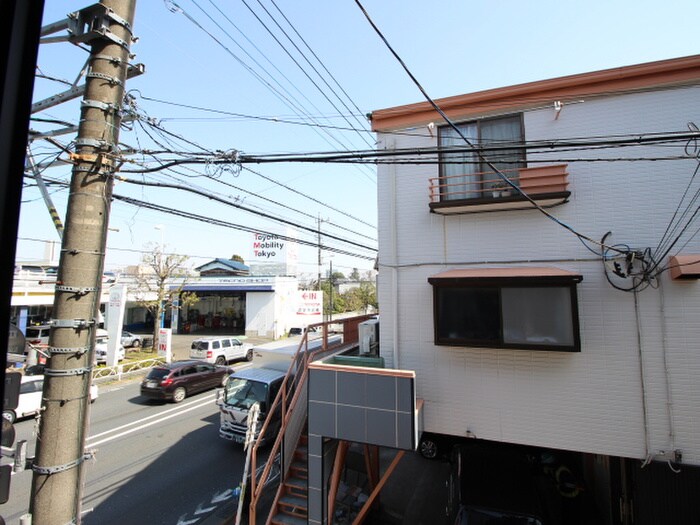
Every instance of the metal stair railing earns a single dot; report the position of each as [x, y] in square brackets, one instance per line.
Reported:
[293, 419]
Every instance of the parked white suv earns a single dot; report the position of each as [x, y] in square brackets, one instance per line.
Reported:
[220, 350]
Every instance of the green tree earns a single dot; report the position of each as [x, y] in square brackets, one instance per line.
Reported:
[361, 298]
[355, 275]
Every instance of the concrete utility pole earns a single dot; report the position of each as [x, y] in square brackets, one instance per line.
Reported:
[57, 481]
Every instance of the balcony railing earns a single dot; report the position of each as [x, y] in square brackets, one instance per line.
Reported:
[548, 185]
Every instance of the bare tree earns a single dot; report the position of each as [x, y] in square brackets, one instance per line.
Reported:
[159, 283]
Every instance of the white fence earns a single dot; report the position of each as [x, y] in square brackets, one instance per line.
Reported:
[129, 369]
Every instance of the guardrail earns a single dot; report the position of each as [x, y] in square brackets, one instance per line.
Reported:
[127, 369]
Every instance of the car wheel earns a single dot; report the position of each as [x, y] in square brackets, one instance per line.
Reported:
[220, 361]
[249, 355]
[179, 394]
[136, 343]
[9, 415]
[428, 448]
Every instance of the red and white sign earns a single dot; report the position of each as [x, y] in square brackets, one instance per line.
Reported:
[165, 344]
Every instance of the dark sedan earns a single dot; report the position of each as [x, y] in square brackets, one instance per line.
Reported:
[175, 381]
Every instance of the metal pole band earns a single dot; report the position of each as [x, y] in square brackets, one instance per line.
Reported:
[114, 60]
[112, 80]
[118, 19]
[54, 372]
[95, 143]
[104, 106]
[77, 291]
[73, 251]
[78, 324]
[75, 350]
[101, 171]
[61, 468]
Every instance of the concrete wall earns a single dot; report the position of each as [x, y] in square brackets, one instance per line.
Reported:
[592, 401]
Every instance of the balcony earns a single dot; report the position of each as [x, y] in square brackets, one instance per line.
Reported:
[480, 192]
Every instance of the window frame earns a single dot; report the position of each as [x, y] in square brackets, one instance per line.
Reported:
[483, 168]
[551, 281]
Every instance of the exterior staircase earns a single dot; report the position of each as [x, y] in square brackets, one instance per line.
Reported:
[291, 504]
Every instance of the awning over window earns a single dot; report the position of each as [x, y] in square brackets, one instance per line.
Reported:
[685, 266]
[525, 274]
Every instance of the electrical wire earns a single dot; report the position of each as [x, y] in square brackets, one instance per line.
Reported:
[147, 121]
[209, 220]
[303, 55]
[505, 179]
[246, 209]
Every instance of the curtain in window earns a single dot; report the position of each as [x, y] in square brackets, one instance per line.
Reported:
[459, 169]
[502, 132]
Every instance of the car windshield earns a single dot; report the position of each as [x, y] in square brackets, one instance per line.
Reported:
[242, 393]
[157, 373]
[200, 345]
[34, 332]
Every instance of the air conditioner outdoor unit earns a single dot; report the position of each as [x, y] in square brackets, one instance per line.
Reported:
[369, 337]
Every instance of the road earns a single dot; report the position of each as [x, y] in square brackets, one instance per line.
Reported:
[155, 463]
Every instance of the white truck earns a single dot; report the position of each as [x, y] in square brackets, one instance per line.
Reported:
[260, 383]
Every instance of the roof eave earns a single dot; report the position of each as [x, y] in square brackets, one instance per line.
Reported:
[677, 71]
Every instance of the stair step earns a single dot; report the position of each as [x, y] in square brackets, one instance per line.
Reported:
[296, 489]
[301, 452]
[299, 466]
[295, 481]
[286, 519]
[294, 504]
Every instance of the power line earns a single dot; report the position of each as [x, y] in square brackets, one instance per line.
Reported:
[308, 62]
[151, 123]
[225, 224]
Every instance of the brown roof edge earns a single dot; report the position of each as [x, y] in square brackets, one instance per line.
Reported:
[516, 272]
[640, 76]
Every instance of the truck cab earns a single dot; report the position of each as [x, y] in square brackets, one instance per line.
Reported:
[243, 389]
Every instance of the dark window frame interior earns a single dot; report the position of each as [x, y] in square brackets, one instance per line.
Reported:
[493, 287]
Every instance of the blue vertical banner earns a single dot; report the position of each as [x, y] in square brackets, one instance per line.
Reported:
[174, 315]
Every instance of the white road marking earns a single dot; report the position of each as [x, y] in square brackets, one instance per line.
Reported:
[157, 418]
[203, 510]
[183, 521]
[222, 496]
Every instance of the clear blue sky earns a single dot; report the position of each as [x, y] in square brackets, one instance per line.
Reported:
[452, 47]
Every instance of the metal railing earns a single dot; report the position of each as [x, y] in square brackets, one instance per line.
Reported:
[488, 185]
[291, 399]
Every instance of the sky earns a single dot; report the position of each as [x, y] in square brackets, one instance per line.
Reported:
[258, 95]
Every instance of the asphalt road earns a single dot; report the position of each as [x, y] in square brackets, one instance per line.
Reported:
[155, 463]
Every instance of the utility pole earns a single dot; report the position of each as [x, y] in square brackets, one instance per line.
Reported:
[318, 283]
[57, 480]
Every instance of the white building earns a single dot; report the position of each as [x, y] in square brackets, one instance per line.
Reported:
[508, 318]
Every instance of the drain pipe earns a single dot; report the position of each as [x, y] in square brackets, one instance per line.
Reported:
[647, 456]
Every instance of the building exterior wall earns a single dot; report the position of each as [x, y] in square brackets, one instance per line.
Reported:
[592, 401]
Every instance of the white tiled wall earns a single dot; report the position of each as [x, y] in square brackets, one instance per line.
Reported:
[589, 401]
